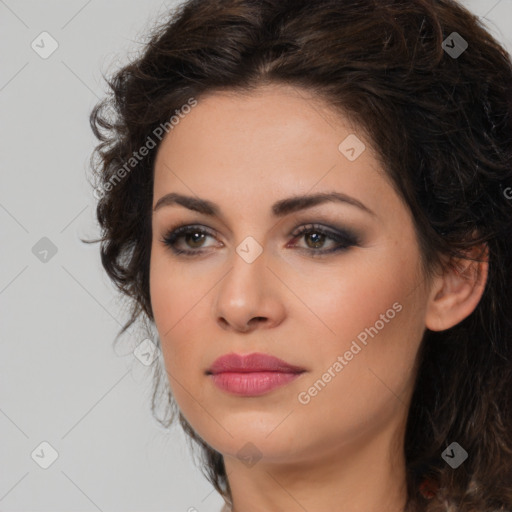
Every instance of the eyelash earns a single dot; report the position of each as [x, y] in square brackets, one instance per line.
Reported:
[344, 238]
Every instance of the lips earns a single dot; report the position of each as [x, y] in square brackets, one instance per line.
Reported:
[252, 375]
[256, 362]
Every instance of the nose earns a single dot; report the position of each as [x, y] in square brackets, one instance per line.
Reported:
[249, 296]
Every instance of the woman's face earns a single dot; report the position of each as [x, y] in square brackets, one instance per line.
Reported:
[352, 319]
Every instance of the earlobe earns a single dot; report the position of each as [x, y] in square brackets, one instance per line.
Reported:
[457, 291]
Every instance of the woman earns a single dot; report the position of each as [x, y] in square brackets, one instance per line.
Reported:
[310, 201]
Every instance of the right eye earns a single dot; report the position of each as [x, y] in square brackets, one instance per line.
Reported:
[192, 235]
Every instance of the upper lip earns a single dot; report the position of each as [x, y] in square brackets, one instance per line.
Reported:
[255, 362]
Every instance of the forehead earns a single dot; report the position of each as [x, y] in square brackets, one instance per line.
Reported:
[275, 142]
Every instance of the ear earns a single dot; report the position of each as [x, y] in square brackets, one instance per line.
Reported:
[456, 292]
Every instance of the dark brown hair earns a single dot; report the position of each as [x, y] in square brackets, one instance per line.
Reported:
[441, 124]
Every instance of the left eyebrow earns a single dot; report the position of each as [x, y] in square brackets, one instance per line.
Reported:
[279, 208]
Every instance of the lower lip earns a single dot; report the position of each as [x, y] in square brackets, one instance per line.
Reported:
[252, 383]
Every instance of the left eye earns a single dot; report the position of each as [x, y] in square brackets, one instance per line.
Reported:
[318, 234]
[315, 237]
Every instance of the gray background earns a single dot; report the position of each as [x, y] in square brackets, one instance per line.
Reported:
[61, 379]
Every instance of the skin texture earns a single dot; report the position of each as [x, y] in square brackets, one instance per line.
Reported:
[343, 449]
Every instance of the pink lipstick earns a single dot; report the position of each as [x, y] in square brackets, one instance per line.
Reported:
[251, 375]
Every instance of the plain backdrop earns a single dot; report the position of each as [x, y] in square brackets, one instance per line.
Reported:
[62, 381]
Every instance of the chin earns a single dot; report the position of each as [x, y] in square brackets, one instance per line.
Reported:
[252, 435]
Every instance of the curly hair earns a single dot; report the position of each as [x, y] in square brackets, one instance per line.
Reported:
[441, 124]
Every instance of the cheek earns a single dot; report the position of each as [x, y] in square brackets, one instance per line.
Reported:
[346, 298]
[375, 310]
[369, 297]
[173, 301]
[173, 316]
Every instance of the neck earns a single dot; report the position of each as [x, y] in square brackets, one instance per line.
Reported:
[364, 477]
